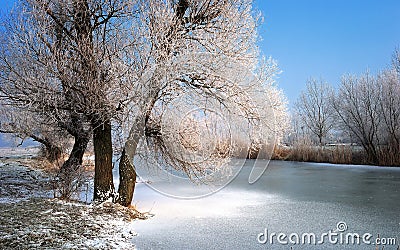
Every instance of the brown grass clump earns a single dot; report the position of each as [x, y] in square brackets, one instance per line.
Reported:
[305, 151]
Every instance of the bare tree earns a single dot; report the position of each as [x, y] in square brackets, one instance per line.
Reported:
[25, 125]
[388, 87]
[357, 107]
[314, 108]
[396, 61]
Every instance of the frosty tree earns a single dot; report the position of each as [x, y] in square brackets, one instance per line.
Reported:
[357, 107]
[24, 124]
[201, 55]
[162, 71]
[61, 59]
[388, 87]
[315, 110]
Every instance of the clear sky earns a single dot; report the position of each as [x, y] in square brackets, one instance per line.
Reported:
[324, 38]
[328, 38]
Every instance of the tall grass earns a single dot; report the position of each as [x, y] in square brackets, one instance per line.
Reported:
[304, 150]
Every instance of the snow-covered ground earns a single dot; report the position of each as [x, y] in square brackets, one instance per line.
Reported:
[18, 181]
[31, 219]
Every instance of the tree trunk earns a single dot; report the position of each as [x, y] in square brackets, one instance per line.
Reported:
[103, 178]
[127, 180]
[372, 154]
[76, 156]
[69, 170]
[127, 170]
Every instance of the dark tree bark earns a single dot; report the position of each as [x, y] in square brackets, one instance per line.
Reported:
[127, 180]
[77, 129]
[103, 178]
[76, 156]
[69, 171]
[127, 170]
[372, 154]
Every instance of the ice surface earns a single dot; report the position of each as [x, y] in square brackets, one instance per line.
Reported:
[290, 197]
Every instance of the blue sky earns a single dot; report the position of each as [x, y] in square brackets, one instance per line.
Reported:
[328, 38]
[324, 38]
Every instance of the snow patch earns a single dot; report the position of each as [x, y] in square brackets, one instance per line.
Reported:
[29, 219]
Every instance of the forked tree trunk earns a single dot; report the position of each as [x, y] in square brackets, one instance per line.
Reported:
[372, 154]
[103, 178]
[75, 127]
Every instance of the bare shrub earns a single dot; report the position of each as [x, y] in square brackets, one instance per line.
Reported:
[281, 153]
[389, 156]
[70, 185]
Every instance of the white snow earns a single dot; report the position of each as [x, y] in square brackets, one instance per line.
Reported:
[30, 218]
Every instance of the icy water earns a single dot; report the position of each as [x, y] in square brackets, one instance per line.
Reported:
[295, 199]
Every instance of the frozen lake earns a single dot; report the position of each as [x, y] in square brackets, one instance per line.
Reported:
[291, 198]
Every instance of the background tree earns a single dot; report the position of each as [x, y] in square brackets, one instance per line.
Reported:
[396, 61]
[388, 87]
[357, 107]
[314, 108]
[26, 125]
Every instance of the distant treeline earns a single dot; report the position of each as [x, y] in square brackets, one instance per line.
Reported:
[358, 123]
